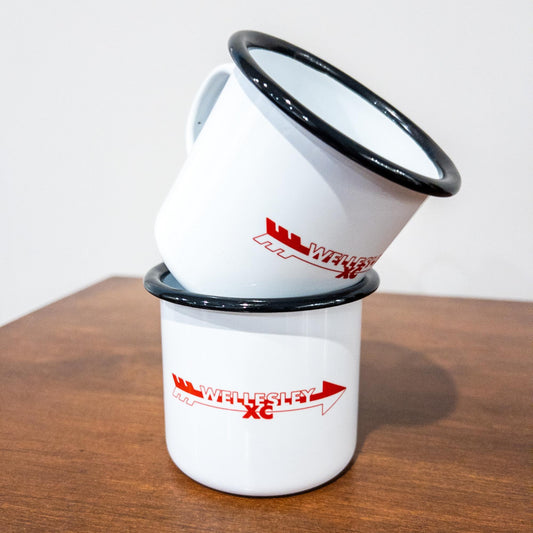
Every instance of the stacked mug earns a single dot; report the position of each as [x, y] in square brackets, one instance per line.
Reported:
[297, 179]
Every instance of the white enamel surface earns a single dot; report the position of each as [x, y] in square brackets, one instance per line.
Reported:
[295, 450]
[346, 111]
[204, 101]
[250, 162]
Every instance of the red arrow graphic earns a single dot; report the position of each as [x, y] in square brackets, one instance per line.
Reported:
[332, 392]
[258, 405]
[329, 390]
[280, 241]
[186, 386]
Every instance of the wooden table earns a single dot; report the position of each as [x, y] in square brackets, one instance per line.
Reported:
[443, 425]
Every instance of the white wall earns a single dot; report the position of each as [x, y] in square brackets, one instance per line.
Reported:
[94, 97]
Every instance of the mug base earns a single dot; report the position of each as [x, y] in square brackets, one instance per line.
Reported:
[257, 489]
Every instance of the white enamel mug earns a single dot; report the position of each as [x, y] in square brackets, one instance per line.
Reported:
[260, 396]
[297, 178]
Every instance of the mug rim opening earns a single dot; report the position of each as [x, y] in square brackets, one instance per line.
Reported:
[156, 283]
[449, 182]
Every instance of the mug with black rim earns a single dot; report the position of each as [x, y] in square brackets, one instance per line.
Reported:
[297, 179]
[260, 395]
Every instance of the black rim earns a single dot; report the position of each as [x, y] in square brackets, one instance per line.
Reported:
[160, 282]
[239, 45]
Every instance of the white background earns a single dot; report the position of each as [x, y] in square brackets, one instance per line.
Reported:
[94, 96]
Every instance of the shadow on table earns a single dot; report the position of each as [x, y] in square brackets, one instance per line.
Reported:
[400, 387]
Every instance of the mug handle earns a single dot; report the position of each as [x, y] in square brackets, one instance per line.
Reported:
[204, 101]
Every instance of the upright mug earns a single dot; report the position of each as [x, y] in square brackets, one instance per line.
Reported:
[261, 395]
[297, 178]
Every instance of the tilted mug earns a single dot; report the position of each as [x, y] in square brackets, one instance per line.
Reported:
[297, 177]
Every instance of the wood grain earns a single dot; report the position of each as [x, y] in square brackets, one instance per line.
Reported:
[444, 425]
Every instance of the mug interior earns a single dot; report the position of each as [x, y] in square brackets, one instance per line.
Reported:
[346, 111]
[344, 114]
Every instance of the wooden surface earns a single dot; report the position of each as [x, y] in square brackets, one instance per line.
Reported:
[444, 425]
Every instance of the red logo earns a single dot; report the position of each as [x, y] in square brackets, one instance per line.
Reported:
[258, 405]
[277, 239]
